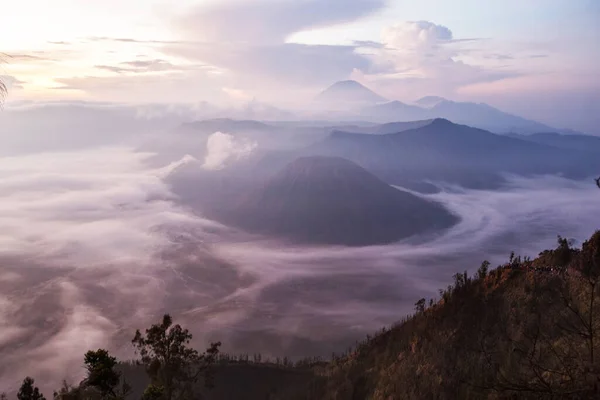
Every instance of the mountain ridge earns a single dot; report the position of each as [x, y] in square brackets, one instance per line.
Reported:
[449, 152]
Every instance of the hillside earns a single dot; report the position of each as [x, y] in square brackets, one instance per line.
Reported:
[241, 378]
[326, 200]
[526, 330]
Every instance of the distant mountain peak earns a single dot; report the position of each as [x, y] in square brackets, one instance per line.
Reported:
[348, 82]
[350, 91]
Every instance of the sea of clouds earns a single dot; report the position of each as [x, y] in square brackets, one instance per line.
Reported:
[93, 245]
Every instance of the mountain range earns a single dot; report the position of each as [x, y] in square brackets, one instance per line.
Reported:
[372, 107]
[448, 152]
[280, 192]
[332, 186]
[585, 143]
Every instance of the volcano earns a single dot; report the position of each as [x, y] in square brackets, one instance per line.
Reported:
[349, 92]
[330, 200]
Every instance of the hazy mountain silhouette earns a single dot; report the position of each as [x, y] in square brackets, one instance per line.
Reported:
[394, 111]
[429, 101]
[349, 92]
[446, 151]
[579, 142]
[396, 127]
[484, 116]
[328, 200]
[478, 115]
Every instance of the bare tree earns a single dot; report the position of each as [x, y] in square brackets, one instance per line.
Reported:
[3, 87]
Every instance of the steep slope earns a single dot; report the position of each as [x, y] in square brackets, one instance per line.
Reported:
[233, 380]
[327, 200]
[518, 332]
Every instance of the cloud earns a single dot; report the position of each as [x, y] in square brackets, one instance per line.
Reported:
[247, 41]
[565, 102]
[237, 94]
[31, 127]
[415, 36]
[78, 228]
[222, 148]
[413, 57]
[351, 290]
[22, 58]
[42, 58]
[420, 57]
[145, 66]
[122, 40]
[12, 82]
[115, 69]
[264, 68]
[269, 21]
[169, 87]
[497, 56]
[413, 49]
[93, 210]
[88, 229]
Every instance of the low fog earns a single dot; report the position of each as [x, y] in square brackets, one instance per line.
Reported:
[95, 244]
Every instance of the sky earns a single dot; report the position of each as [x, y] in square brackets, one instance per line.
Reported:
[536, 58]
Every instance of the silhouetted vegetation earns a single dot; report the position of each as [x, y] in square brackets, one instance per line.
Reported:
[528, 329]
[29, 391]
[173, 367]
[103, 376]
